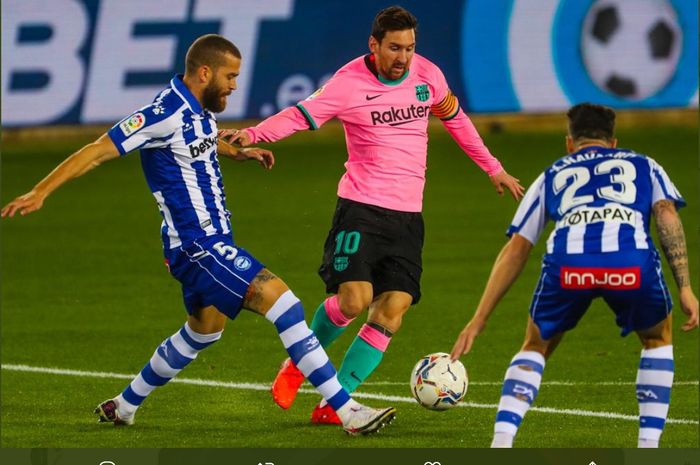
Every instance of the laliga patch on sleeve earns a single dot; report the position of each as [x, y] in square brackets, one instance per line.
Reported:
[316, 94]
[133, 123]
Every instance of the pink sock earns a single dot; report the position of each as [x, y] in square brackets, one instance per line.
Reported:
[332, 307]
[375, 338]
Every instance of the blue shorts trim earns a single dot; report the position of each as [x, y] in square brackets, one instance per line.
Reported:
[213, 271]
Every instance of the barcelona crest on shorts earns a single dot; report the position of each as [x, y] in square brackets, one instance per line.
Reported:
[340, 263]
[422, 92]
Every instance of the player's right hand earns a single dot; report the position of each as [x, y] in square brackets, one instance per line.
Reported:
[689, 305]
[27, 203]
[465, 340]
[503, 180]
[239, 137]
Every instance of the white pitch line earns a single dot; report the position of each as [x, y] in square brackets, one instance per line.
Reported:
[101, 374]
[544, 383]
[359, 395]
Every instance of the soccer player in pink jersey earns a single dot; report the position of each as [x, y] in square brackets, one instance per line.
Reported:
[372, 256]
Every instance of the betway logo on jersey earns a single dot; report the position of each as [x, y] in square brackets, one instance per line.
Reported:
[199, 149]
[398, 116]
[618, 279]
[588, 215]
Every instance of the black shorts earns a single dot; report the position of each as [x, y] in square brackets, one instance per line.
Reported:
[374, 244]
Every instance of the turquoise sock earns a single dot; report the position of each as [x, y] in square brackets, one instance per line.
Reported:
[360, 361]
[323, 327]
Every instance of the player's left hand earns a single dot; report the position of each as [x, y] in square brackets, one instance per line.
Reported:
[263, 156]
[689, 305]
[503, 179]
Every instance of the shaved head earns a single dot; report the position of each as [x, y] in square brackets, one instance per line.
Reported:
[209, 50]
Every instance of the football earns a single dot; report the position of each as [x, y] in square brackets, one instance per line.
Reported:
[631, 48]
[438, 383]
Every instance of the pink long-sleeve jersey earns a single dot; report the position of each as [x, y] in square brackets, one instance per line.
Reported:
[386, 129]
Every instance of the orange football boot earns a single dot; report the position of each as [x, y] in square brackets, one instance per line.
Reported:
[286, 384]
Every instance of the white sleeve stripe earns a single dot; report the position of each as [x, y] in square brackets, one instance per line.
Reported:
[532, 195]
[530, 218]
[148, 132]
[662, 183]
[531, 229]
[150, 142]
[528, 215]
[668, 185]
[662, 186]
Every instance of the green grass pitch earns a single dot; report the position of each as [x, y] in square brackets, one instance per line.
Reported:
[84, 288]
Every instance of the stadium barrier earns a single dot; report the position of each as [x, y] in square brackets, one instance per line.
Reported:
[95, 61]
[485, 123]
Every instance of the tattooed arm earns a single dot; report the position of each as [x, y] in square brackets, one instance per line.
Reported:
[672, 239]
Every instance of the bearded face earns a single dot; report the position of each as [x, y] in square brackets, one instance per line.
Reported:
[221, 83]
[215, 95]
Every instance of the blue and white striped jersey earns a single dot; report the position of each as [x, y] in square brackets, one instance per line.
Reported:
[177, 139]
[600, 200]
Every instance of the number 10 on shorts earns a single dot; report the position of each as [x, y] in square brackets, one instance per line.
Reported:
[346, 243]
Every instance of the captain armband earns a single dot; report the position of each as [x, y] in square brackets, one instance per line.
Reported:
[448, 108]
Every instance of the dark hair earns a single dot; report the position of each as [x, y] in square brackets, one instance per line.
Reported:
[209, 50]
[394, 18]
[591, 121]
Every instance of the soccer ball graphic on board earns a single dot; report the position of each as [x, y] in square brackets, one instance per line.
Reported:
[631, 48]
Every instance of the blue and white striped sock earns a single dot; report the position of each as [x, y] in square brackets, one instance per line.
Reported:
[287, 314]
[174, 354]
[654, 381]
[520, 388]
